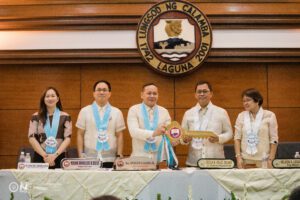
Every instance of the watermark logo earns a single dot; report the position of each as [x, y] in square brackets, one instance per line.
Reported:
[15, 187]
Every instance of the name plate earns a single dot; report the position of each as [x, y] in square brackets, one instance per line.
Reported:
[135, 163]
[211, 163]
[80, 163]
[286, 163]
[33, 166]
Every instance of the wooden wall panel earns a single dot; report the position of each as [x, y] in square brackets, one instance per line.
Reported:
[181, 160]
[21, 86]
[38, 2]
[8, 162]
[228, 81]
[127, 139]
[284, 85]
[74, 114]
[14, 126]
[116, 56]
[126, 83]
[14, 130]
[86, 15]
[288, 124]
[23, 11]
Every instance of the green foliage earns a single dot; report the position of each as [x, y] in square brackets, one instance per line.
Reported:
[286, 197]
[47, 198]
[233, 196]
[158, 196]
[12, 197]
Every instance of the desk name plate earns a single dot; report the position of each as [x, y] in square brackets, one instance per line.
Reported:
[80, 163]
[135, 163]
[286, 163]
[211, 163]
[33, 166]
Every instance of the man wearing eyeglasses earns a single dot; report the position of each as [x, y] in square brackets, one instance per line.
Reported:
[100, 127]
[205, 116]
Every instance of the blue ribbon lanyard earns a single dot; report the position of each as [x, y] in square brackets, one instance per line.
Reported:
[150, 146]
[51, 132]
[165, 149]
[101, 125]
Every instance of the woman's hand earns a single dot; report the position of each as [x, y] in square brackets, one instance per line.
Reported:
[240, 162]
[270, 166]
[50, 159]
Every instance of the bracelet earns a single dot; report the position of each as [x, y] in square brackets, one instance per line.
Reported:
[237, 155]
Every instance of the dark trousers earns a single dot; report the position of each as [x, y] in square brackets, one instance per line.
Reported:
[107, 164]
[37, 158]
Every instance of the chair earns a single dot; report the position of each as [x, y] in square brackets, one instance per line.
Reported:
[72, 152]
[287, 149]
[229, 152]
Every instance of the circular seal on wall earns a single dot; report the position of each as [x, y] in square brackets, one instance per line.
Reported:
[174, 37]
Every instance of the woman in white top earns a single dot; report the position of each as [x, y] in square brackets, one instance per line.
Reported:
[256, 132]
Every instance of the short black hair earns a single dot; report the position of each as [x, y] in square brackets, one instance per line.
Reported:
[253, 94]
[202, 83]
[295, 195]
[147, 84]
[102, 81]
[106, 197]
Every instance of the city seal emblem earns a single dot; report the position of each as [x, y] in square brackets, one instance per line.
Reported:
[174, 37]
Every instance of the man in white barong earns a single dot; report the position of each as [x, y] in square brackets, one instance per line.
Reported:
[100, 127]
[205, 116]
[147, 123]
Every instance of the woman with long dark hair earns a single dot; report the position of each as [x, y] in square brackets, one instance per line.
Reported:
[50, 130]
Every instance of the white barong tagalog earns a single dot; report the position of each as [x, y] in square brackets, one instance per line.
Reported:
[252, 130]
[198, 143]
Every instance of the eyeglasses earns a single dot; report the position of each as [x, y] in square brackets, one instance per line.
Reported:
[202, 91]
[247, 100]
[101, 90]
